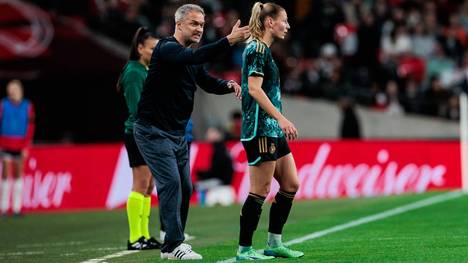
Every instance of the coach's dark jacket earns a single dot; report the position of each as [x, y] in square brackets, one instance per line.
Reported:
[174, 74]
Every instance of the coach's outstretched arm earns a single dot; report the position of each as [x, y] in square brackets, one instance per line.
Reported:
[176, 53]
[217, 86]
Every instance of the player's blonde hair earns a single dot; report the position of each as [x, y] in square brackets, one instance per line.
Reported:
[261, 11]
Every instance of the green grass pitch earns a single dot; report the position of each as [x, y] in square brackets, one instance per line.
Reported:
[435, 233]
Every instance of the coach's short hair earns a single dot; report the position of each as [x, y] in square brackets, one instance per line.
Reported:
[185, 9]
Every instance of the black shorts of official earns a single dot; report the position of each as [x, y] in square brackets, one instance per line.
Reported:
[10, 155]
[134, 156]
[262, 149]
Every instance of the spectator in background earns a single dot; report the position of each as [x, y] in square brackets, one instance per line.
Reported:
[396, 44]
[435, 97]
[451, 110]
[329, 65]
[441, 66]
[235, 125]
[454, 37]
[423, 42]
[411, 98]
[16, 134]
[214, 184]
[464, 15]
[460, 78]
[221, 168]
[393, 100]
[350, 127]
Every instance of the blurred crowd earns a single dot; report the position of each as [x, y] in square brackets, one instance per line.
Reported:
[392, 55]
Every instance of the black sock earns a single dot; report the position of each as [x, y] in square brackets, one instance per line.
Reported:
[279, 211]
[250, 215]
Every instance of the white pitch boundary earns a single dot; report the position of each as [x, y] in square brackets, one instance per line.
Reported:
[379, 216]
[18, 254]
[115, 255]
[54, 244]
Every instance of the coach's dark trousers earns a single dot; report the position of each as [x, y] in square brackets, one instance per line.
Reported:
[168, 159]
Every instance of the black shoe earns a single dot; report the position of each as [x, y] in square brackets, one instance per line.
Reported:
[140, 244]
[152, 243]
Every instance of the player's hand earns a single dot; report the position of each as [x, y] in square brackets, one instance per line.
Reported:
[236, 89]
[288, 128]
[25, 153]
[238, 34]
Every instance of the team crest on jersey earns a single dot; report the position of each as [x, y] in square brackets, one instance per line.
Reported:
[272, 148]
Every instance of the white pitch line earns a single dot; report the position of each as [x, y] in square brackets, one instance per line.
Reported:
[55, 244]
[17, 254]
[115, 255]
[101, 249]
[364, 220]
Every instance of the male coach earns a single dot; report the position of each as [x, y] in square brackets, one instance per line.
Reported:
[165, 106]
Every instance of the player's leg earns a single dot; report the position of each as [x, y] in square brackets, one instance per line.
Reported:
[148, 182]
[135, 205]
[286, 175]
[151, 241]
[136, 199]
[5, 202]
[261, 170]
[18, 167]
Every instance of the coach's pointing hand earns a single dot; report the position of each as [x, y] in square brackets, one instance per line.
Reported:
[238, 34]
[236, 89]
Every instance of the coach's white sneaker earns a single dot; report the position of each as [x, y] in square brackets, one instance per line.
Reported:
[182, 252]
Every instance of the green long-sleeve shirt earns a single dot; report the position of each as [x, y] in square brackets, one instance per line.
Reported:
[132, 80]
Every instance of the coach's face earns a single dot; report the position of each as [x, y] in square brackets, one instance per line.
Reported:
[191, 27]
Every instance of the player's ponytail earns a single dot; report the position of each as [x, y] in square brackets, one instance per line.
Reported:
[141, 35]
[255, 24]
[257, 19]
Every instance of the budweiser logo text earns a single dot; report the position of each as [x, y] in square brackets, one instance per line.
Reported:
[44, 190]
[320, 179]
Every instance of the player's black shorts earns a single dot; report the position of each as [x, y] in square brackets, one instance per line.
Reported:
[261, 149]
[13, 155]
[134, 156]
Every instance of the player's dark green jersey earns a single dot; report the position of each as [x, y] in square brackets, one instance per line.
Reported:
[258, 61]
[132, 81]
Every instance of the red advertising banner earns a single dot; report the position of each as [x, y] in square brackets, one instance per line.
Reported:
[98, 176]
[371, 168]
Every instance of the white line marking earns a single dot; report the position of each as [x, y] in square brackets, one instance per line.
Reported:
[115, 255]
[364, 220]
[55, 244]
[17, 254]
[101, 249]
[68, 254]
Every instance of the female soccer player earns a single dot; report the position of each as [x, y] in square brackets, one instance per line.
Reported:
[131, 84]
[264, 134]
[16, 134]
